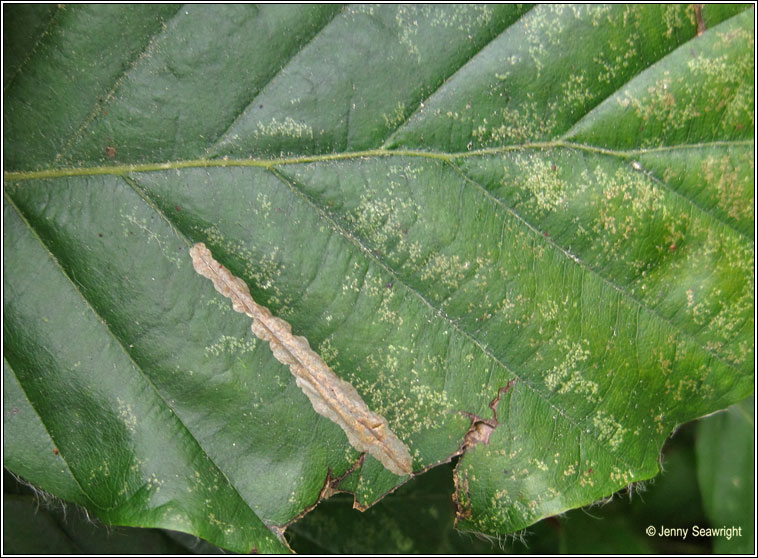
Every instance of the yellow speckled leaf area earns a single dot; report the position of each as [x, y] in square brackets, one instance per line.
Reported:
[444, 200]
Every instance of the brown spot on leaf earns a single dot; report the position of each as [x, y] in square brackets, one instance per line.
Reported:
[699, 17]
[481, 429]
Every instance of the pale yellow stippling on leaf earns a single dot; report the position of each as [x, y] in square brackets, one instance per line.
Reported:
[331, 396]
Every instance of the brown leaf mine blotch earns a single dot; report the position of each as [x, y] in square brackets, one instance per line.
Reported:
[331, 396]
[481, 429]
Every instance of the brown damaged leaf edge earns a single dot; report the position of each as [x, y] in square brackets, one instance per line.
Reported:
[479, 433]
[481, 429]
[331, 396]
[330, 488]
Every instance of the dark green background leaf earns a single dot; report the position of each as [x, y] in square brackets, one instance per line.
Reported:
[441, 199]
[726, 474]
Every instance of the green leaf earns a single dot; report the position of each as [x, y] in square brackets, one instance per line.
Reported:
[726, 470]
[441, 199]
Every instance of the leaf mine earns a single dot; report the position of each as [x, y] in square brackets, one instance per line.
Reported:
[331, 396]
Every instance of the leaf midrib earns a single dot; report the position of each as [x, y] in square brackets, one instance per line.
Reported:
[272, 163]
[64, 172]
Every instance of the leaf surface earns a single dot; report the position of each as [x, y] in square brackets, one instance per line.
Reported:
[454, 198]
